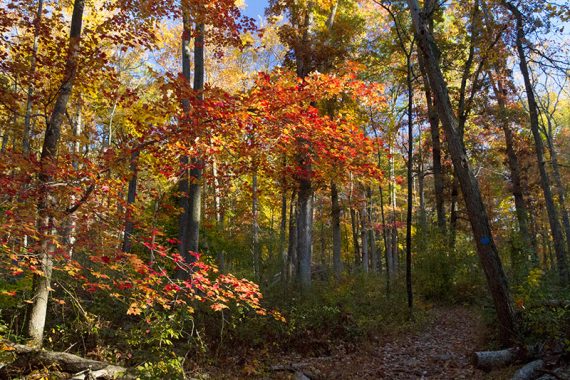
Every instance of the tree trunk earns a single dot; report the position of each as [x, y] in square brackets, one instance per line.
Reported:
[539, 148]
[70, 222]
[364, 238]
[30, 96]
[292, 248]
[356, 246]
[560, 190]
[410, 173]
[482, 234]
[217, 195]
[386, 243]
[192, 229]
[183, 185]
[220, 255]
[489, 360]
[514, 167]
[336, 236]
[304, 238]
[282, 232]
[436, 150]
[305, 196]
[47, 201]
[374, 251]
[453, 211]
[131, 195]
[393, 224]
[255, 228]
[422, 214]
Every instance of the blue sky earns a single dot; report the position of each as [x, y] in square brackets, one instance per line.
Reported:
[255, 8]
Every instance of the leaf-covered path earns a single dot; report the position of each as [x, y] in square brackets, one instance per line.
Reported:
[440, 350]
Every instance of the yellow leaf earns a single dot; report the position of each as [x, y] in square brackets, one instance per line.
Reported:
[134, 309]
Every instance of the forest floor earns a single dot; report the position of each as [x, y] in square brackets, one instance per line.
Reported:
[440, 349]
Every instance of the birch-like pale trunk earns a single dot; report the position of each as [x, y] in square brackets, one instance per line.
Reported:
[47, 202]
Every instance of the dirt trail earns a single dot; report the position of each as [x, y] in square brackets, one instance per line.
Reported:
[441, 350]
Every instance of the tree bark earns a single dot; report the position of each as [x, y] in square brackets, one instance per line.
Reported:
[32, 358]
[47, 201]
[192, 229]
[374, 251]
[539, 148]
[30, 96]
[70, 222]
[183, 185]
[489, 360]
[433, 118]
[305, 195]
[386, 243]
[529, 371]
[560, 190]
[304, 236]
[131, 195]
[364, 238]
[292, 247]
[355, 244]
[255, 228]
[486, 249]
[410, 172]
[514, 168]
[336, 236]
[282, 234]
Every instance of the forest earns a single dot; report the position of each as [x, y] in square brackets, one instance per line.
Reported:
[284, 189]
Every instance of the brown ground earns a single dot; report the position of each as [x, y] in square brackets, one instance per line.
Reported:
[441, 350]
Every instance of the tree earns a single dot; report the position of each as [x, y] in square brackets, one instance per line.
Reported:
[482, 234]
[539, 147]
[46, 203]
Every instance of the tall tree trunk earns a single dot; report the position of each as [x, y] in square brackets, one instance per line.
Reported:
[433, 118]
[220, 255]
[386, 243]
[30, 96]
[410, 173]
[393, 223]
[183, 185]
[217, 195]
[539, 148]
[282, 232]
[47, 201]
[292, 248]
[131, 196]
[514, 168]
[255, 228]
[453, 211]
[305, 196]
[482, 234]
[355, 244]
[192, 230]
[560, 190]
[336, 236]
[422, 213]
[70, 222]
[364, 238]
[374, 251]
[304, 237]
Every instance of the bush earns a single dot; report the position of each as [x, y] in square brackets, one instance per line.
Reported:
[446, 275]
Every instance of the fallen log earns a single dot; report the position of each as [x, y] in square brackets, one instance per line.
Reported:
[489, 360]
[551, 375]
[299, 370]
[529, 371]
[30, 358]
